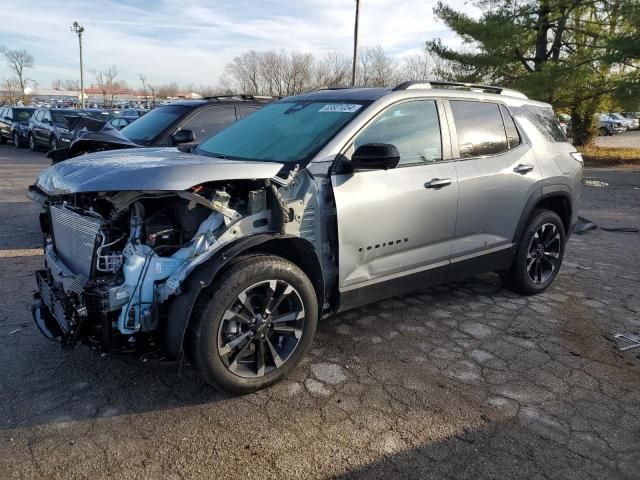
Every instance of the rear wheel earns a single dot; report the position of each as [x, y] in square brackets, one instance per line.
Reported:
[2, 140]
[539, 254]
[254, 326]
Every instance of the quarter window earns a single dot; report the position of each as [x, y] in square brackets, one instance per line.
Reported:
[479, 128]
[513, 137]
[413, 127]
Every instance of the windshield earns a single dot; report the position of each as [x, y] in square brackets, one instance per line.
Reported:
[22, 114]
[282, 132]
[58, 116]
[148, 127]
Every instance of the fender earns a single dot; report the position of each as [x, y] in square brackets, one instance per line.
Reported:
[546, 192]
[180, 306]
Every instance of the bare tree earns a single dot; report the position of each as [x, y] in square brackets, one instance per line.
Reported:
[376, 68]
[418, 67]
[56, 84]
[333, 70]
[111, 83]
[71, 85]
[18, 61]
[9, 91]
[101, 81]
[245, 71]
[168, 91]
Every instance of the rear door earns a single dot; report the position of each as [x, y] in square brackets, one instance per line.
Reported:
[497, 173]
[395, 230]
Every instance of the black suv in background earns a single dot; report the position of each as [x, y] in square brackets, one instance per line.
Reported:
[49, 127]
[14, 123]
[177, 123]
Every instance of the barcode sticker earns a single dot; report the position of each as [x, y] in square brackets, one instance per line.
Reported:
[341, 107]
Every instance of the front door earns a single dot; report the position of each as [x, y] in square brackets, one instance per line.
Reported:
[395, 227]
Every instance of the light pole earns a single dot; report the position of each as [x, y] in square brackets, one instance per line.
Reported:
[79, 30]
[355, 46]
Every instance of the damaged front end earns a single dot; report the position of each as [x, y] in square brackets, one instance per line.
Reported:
[115, 261]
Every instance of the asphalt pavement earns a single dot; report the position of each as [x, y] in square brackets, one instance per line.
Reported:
[464, 380]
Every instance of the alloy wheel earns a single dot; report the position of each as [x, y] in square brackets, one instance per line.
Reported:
[261, 328]
[53, 143]
[543, 255]
[32, 142]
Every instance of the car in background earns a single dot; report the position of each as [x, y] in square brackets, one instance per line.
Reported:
[634, 118]
[50, 128]
[182, 122]
[98, 114]
[616, 117]
[126, 117]
[608, 125]
[14, 123]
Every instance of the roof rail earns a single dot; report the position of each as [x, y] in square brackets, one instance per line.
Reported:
[241, 96]
[459, 86]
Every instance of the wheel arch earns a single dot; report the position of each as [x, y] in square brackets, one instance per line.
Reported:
[556, 198]
[179, 308]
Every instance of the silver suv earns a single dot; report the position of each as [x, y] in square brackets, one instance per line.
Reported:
[231, 252]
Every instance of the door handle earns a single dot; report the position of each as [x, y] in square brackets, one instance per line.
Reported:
[437, 183]
[523, 169]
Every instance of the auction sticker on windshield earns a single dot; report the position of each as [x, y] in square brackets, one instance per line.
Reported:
[340, 108]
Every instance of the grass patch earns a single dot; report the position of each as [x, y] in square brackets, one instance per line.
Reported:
[607, 156]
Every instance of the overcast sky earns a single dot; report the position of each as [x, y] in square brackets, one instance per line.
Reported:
[190, 41]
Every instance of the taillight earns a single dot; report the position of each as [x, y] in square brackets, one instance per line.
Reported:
[577, 156]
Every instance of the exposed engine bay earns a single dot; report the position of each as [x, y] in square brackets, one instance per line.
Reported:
[115, 259]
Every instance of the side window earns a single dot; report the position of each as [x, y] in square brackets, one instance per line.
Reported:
[209, 121]
[245, 110]
[513, 137]
[479, 128]
[413, 127]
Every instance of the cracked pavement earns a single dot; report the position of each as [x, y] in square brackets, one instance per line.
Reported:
[464, 380]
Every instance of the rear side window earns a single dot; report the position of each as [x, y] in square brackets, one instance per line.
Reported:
[544, 120]
[209, 121]
[513, 137]
[413, 127]
[479, 128]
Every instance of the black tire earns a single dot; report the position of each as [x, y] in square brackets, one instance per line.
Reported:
[206, 336]
[532, 257]
[33, 145]
[53, 143]
[603, 132]
[16, 140]
[2, 140]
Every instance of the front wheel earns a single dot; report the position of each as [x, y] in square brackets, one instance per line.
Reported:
[16, 140]
[53, 143]
[33, 146]
[539, 255]
[254, 326]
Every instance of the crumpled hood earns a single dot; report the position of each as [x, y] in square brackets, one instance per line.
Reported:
[159, 169]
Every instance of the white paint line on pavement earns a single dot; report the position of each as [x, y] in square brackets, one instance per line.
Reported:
[21, 252]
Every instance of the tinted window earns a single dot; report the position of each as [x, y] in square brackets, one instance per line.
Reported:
[413, 127]
[285, 131]
[510, 127]
[62, 117]
[245, 110]
[544, 120]
[208, 121]
[479, 127]
[147, 128]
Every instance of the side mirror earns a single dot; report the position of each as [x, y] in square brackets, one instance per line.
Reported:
[183, 136]
[375, 156]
